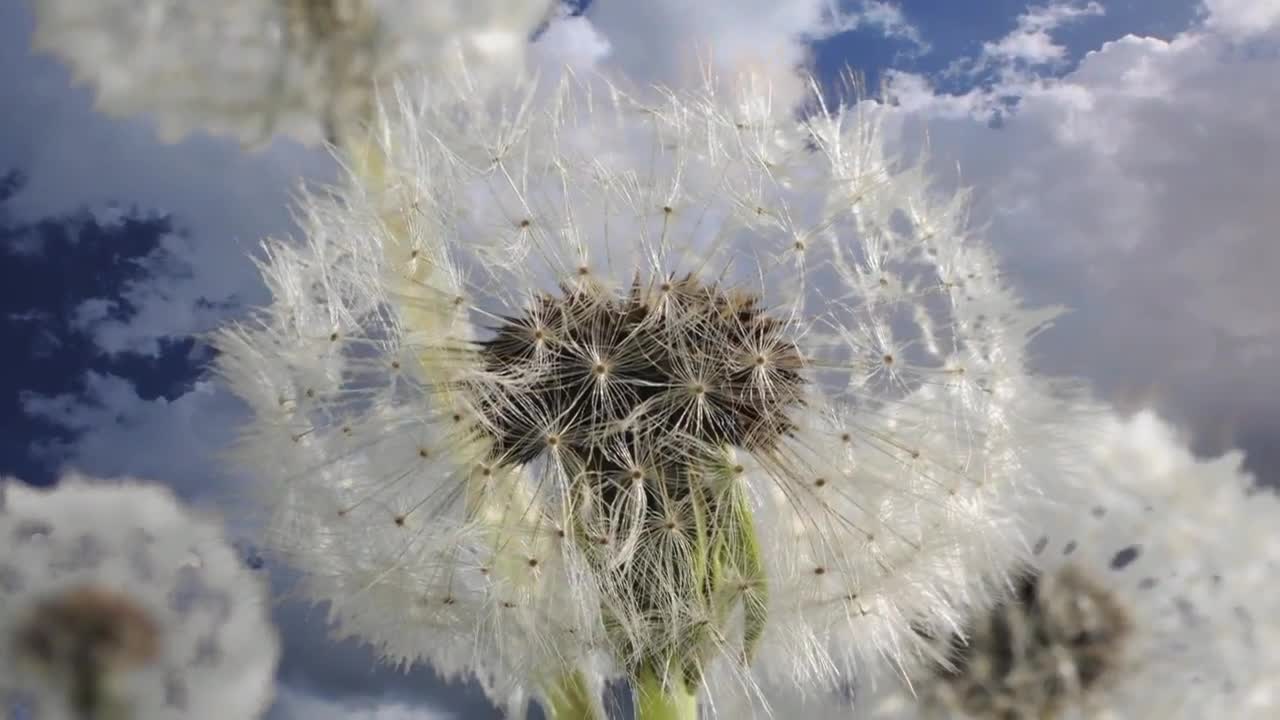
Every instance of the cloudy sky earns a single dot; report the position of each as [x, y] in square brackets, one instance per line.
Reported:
[1124, 156]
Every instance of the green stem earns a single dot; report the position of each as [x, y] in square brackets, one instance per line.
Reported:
[572, 699]
[659, 700]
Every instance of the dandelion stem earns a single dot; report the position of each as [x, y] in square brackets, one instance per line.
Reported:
[659, 698]
[571, 699]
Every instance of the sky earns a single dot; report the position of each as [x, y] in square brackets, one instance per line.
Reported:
[1123, 156]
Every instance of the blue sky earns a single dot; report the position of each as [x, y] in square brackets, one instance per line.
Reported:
[1133, 184]
[957, 30]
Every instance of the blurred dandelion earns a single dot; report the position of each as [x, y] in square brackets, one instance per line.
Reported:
[117, 604]
[1147, 597]
[595, 386]
[257, 68]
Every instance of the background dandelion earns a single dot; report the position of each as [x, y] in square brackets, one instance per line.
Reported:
[256, 68]
[118, 604]
[538, 402]
[1145, 598]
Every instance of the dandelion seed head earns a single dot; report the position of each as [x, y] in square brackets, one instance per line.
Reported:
[256, 68]
[1139, 599]
[690, 426]
[1050, 646]
[115, 600]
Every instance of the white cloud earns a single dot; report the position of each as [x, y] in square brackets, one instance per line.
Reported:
[1242, 17]
[177, 442]
[91, 312]
[1014, 62]
[1032, 40]
[1141, 190]
[883, 16]
[673, 41]
[187, 285]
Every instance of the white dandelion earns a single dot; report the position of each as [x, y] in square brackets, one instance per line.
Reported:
[257, 68]
[1148, 597]
[117, 604]
[598, 387]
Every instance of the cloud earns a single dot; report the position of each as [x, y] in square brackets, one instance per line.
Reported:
[1013, 65]
[1032, 40]
[1138, 189]
[886, 18]
[114, 431]
[674, 41]
[1242, 18]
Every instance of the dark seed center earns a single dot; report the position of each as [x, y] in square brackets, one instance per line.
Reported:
[656, 377]
[1024, 639]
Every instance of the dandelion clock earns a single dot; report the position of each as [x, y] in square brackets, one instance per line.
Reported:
[1148, 596]
[642, 386]
[116, 604]
[257, 68]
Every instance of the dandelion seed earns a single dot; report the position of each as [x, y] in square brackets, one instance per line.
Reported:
[257, 68]
[115, 603]
[651, 384]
